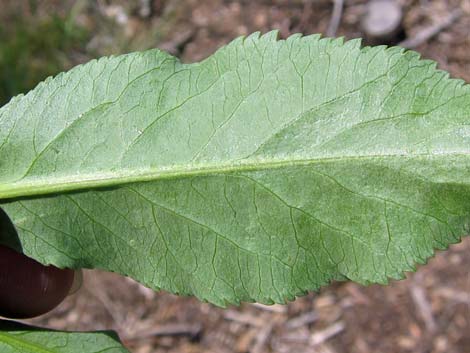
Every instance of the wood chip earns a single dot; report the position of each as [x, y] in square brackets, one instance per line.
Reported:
[245, 341]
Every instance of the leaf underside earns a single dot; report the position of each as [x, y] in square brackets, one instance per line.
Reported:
[267, 170]
[18, 338]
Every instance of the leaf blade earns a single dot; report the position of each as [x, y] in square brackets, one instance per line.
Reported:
[317, 162]
[19, 338]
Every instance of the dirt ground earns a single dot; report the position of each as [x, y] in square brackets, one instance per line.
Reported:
[427, 312]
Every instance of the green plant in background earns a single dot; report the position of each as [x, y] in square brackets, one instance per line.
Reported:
[267, 170]
[32, 50]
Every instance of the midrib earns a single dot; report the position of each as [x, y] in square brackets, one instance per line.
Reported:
[82, 182]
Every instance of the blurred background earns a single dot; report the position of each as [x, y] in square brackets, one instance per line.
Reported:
[427, 312]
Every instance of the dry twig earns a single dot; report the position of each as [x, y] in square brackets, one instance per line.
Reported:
[324, 335]
[262, 338]
[457, 296]
[302, 320]
[423, 306]
[429, 32]
[276, 308]
[191, 330]
[244, 318]
[317, 337]
[335, 18]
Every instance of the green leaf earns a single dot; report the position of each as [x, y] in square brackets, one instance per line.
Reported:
[268, 169]
[18, 338]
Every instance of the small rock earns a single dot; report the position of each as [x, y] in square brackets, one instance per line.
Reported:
[441, 344]
[382, 22]
[406, 342]
[117, 13]
[145, 9]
